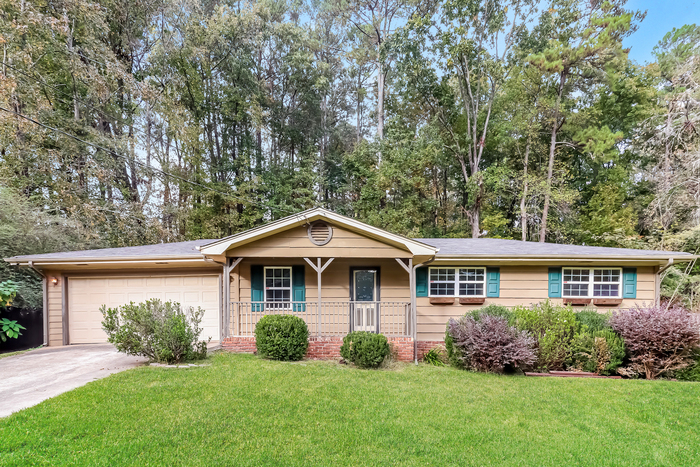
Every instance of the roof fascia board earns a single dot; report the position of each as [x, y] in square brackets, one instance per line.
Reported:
[103, 260]
[221, 246]
[549, 258]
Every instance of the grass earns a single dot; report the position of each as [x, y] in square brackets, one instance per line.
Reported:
[242, 411]
[18, 352]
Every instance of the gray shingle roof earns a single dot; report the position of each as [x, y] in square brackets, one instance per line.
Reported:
[492, 247]
[499, 247]
[157, 250]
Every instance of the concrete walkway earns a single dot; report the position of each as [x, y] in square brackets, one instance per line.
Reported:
[32, 377]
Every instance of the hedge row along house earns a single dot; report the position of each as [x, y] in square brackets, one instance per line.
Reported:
[339, 275]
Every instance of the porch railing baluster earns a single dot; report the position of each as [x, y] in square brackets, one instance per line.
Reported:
[332, 318]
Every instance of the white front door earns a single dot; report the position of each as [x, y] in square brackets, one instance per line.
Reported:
[365, 299]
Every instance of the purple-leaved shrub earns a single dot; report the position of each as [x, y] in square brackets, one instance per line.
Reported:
[490, 344]
[658, 340]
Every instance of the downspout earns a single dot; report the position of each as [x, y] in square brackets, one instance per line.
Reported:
[414, 307]
[668, 265]
[657, 285]
[44, 303]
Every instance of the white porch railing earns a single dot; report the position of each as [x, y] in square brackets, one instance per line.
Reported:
[332, 318]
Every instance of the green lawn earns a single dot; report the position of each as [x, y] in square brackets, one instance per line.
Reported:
[242, 410]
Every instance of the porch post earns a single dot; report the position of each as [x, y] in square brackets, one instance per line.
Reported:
[411, 322]
[228, 268]
[319, 270]
[226, 306]
[318, 283]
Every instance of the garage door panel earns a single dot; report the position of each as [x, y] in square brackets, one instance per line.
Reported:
[194, 281]
[153, 282]
[210, 281]
[191, 296]
[173, 281]
[86, 296]
[176, 297]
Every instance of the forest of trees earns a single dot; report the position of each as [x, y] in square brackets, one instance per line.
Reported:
[125, 122]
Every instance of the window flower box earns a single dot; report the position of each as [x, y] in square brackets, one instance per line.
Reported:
[442, 300]
[577, 301]
[472, 300]
[607, 301]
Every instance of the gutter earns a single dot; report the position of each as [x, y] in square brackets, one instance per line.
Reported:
[668, 265]
[45, 302]
[550, 258]
[86, 261]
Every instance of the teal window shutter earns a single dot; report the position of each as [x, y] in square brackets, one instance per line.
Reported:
[493, 282]
[257, 287]
[629, 283]
[422, 282]
[554, 282]
[299, 287]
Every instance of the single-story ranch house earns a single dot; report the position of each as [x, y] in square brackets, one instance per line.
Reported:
[339, 275]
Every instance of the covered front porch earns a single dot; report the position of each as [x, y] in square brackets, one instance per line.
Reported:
[334, 296]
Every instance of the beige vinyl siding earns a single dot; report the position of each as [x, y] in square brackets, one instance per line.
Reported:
[335, 280]
[520, 285]
[295, 243]
[335, 283]
[55, 311]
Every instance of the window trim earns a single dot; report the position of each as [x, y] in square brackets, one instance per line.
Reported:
[592, 282]
[457, 282]
[274, 305]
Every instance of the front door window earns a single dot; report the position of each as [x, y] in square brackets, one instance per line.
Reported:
[365, 293]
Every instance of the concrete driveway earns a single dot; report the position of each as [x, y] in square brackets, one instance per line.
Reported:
[32, 377]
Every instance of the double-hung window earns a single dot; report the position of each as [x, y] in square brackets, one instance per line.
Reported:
[278, 287]
[457, 282]
[592, 283]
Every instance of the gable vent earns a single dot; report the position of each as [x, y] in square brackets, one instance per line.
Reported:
[320, 233]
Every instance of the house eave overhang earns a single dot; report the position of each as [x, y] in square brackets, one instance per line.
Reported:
[133, 260]
[220, 247]
[556, 259]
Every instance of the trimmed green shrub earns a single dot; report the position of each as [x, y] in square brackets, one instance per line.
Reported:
[692, 372]
[553, 327]
[454, 355]
[365, 349]
[592, 321]
[600, 352]
[162, 332]
[492, 310]
[282, 337]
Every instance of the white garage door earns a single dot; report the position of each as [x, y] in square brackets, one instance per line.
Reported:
[87, 295]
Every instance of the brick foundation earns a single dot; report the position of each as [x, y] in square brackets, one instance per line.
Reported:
[323, 348]
[424, 346]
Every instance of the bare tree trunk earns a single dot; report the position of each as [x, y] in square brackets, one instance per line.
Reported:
[380, 101]
[550, 169]
[475, 222]
[149, 126]
[359, 104]
[523, 213]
